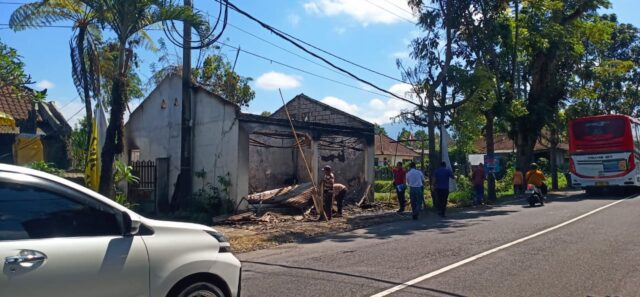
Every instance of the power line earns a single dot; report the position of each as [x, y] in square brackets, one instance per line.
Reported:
[284, 49]
[290, 40]
[398, 6]
[299, 69]
[272, 29]
[391, 12]
[69, 102]
[75, 114]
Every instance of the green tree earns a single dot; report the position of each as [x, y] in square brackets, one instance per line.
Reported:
[438, 54]
[84, 58]
[216, 74]
[552, 49]
[608, 78]
[379, 130]
[489, 85]
[128, 20]
[404, 136]
[12, 68]
[108, 54]
[78, 143]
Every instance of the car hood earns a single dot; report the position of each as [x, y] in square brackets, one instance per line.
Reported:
[176, 225]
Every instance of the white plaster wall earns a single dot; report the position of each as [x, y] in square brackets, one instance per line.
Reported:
[156, 131]
[215, 141]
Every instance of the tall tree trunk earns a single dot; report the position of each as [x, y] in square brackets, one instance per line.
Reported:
[491, 178]
[113, 144]
[431, 126]
[82, 32]
[553, 152]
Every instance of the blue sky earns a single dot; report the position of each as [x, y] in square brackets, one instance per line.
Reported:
[372, 33]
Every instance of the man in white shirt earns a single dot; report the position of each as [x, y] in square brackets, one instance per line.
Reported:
[415, 181]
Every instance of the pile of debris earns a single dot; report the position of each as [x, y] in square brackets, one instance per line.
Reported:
[290, 204]
[296, 196]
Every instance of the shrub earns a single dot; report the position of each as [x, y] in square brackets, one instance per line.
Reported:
[383, 186]
[45, 167]
[463, 196]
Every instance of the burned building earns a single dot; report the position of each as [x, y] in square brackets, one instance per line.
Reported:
[325, 136]
[255, 153]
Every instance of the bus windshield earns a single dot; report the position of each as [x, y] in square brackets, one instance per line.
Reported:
[599, 129]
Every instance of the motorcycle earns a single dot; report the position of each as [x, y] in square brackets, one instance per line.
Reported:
[534, 195]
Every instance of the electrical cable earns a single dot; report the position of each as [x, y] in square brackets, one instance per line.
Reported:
[289, 39]
[299, 69]
[391, 12]
[271, 28]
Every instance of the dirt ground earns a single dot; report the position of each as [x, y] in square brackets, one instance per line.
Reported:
[276, 227]
[271, 228]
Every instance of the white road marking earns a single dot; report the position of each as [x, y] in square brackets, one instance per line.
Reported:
[489, 252]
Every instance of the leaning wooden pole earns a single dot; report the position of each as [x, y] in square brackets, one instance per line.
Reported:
[316, 202]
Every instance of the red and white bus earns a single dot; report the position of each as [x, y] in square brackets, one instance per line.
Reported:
[605, 152]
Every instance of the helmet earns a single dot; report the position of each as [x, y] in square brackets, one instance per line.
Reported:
[326, 167]
[534, 165]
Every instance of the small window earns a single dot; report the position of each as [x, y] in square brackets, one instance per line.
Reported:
[135, 155]
[28, 212]
[376, 162]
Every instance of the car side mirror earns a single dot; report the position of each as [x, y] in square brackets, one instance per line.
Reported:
[127, 226]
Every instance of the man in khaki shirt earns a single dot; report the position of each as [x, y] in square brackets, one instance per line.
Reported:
[339, 191]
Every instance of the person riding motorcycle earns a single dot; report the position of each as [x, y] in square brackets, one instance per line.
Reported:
[535, 177]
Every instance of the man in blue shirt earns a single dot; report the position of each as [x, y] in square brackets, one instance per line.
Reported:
[441, 179]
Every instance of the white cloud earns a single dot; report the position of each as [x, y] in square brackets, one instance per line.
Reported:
[363, 11]
[340, 30]
[377, 110]
[294, 19]
[276, 80]
[400, 55]
[45, 84]
[341, 104]
[401, 89]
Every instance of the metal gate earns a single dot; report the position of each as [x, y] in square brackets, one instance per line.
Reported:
[143, 190]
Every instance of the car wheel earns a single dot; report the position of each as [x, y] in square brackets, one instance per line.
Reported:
[201, 289]
[532, 204]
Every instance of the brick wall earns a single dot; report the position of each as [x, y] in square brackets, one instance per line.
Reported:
[303, 108]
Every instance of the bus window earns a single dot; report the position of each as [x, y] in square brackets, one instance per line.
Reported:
[599, 129]
[636, 135]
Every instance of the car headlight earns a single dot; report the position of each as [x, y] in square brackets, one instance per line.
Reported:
[225, 247]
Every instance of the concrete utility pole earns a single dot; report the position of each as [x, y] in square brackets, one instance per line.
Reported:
[186, 148]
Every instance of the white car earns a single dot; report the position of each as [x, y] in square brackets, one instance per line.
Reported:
[58, 238]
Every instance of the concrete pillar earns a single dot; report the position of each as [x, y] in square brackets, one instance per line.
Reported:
[242, 176]
[314, 160]
[369, 167]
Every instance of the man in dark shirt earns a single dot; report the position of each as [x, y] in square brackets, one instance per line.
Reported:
[327, 191]
[477, 178]
[441, 178]
[399, 183]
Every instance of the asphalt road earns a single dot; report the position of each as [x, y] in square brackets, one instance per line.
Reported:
[575, 246]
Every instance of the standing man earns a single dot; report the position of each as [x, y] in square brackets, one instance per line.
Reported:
[399, 183]
[441, 180]
[518, 182]
[477, 178]
[327, 191]
[339, 191]
[415, 180]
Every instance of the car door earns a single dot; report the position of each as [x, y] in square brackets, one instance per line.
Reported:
[58, 242]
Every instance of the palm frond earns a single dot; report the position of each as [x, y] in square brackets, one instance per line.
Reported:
[47, 12]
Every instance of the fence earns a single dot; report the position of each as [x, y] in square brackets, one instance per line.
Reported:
[143, 190]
